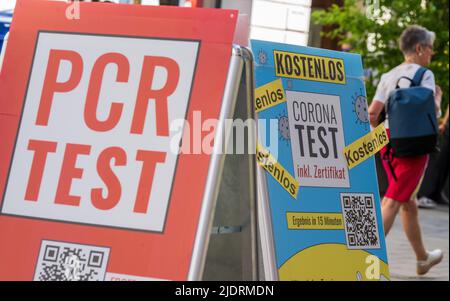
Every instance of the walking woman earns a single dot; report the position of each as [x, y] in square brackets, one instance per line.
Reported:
[416, 43]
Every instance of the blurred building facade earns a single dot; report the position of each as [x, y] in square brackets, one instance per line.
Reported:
[284, 21]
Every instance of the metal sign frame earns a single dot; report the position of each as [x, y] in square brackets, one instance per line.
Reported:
[241, 59]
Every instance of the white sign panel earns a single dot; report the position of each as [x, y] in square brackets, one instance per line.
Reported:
[317, 134]
[94, 142]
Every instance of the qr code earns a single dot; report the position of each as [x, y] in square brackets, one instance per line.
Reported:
[361, 226]
[60, 261]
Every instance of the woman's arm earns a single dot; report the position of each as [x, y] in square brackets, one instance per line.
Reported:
[375, 110]
[438, 100]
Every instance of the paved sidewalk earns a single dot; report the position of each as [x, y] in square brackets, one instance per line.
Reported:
[435, 233]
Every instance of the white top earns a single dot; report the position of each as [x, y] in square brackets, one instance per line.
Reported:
[389, 81]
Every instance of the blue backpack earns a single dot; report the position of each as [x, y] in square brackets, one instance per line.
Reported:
[412, 119]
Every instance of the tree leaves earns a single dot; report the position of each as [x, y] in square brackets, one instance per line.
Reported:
[381, 29]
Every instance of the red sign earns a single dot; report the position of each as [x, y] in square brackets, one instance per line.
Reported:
[93, 186]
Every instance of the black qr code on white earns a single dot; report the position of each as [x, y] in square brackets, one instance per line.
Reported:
[61, 261]
[360, 218]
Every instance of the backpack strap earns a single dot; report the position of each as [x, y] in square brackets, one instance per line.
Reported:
[403, 77]
[419, 76]
[388, 157]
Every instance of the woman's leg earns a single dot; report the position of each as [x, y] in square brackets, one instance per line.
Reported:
[410, 218]
[389, 210]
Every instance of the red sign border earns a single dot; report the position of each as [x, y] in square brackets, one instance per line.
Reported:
[135, 253]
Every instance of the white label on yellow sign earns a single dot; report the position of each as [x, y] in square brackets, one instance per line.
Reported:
[365, 147]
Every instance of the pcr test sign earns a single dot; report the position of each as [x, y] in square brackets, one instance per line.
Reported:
[93, 185]
[94, 139]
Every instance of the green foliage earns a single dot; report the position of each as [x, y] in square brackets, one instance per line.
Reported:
[383, 27]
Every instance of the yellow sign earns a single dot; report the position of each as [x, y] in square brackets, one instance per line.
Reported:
[314, 221]
[309, 67]
[365, 147]
[269, 95]
[278, 172]
[333, 262]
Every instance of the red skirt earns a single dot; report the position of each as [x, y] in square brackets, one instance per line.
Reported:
[409, 172]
